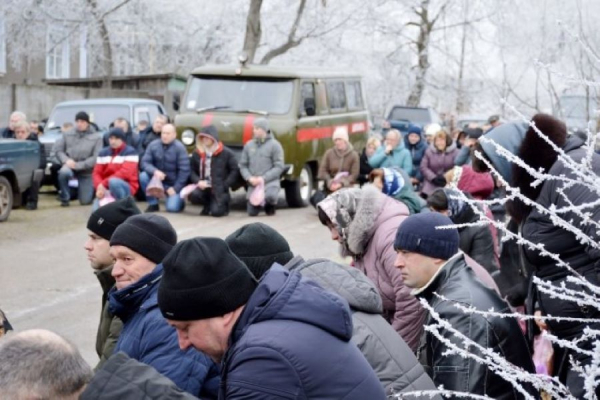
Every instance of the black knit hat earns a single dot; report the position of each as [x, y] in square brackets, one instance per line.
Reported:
[259, 246]
[473, 133]
[106, 219]
[149, 235]
[117, 132]
[83, 116]
[203, 279]
[419, 233]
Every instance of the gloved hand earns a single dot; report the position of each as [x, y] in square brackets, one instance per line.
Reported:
[439, 181]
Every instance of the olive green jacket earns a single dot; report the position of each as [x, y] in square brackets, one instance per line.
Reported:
[110, 325]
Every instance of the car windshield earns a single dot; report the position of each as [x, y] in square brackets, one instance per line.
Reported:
[101, 115]
[414, 115]
[235, 94]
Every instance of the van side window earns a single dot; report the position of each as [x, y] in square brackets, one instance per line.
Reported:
[354, 95]
[307, 92]
[336, 95]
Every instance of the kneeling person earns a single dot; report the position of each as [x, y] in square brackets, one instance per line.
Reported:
[138, 246]
[116, 169]
[214, 170]
[284, 337]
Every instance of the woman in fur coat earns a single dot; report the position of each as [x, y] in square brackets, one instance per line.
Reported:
[364, 222]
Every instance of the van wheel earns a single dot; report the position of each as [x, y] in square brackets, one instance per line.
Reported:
[298, 192]
[6, 198]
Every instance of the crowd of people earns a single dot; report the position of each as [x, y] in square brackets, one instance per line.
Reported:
[247, 318]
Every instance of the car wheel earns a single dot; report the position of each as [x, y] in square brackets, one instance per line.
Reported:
[298, 192]
[6, 198]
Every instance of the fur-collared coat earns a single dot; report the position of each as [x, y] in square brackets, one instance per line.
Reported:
[370, 238]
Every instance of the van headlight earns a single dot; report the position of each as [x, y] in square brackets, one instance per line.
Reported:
[187, 137]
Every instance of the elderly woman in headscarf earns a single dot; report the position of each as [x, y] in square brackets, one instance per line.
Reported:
[476, 241]
[364, 222]
[395, 183]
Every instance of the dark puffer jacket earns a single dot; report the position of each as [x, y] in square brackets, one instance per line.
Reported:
[125, 378]
[224, 172]
[417, 151]
[390, 357]
[148, 338]
[172, 159]
[292, 341]
[538, 228]
[147, 136]
[457, 282]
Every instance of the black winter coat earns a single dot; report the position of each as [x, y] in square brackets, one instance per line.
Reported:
[365, 168]
[224, 173]
[458, 283]
[6, 133]
[538, 228]
[147, 136]
[476, 241]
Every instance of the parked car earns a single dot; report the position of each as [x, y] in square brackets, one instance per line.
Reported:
[400, 117]
[102, 113]
[304, 106]
[463, 121]
[18, 161]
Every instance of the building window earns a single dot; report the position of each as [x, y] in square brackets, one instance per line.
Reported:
[2, 46]
[57, 54]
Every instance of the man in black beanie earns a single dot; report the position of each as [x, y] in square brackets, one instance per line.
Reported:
[138, 246]
[284, 337]
[101, 225]
[432, 265]
[259, 246]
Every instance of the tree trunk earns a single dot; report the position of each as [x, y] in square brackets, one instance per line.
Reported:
[106, 46]
[253, 30]
[461, 104]
[422, 44]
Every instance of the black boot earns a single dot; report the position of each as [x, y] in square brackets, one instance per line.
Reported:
[270, 209]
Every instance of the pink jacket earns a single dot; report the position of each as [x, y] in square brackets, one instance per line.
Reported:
[372, 234]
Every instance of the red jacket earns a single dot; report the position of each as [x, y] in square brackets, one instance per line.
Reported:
[119, 163]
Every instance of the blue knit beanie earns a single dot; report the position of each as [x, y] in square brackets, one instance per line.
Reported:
[412, 128]
[419, 234]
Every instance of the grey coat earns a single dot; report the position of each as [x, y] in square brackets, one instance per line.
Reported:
[388, 354]
[263, 159]
[81, 147]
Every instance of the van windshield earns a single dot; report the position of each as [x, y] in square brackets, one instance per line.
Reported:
[415, 115]
[101, 115]
[235, 94]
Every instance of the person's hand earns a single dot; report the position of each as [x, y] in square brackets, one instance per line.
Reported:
[333, 186]
[160, 175]
[470, 142]
[171, 191]
[414, 181]
[100, 191]
[388, 148]
[539, 322]
[202, 185]
[70, 163]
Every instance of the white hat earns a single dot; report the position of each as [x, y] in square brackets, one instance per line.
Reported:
[341, 132]
[432, 129]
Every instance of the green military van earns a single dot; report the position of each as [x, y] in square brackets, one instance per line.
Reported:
[303, 106]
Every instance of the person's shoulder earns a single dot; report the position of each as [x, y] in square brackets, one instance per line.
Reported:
[130, 151]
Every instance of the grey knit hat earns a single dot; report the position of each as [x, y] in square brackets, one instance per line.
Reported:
[262, 123]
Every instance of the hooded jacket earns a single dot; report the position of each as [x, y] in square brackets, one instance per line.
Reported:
[417, 151]
[335, 161]
[125, 378]
[121, 163]
[390, 357]
[457, 282]
[272, 353]
[436, 163]
[398, 157]
[262, 158]
[172, 159]
[148, 338]
[110, 325]
[81, 147]
[224, 171]
[367, 221]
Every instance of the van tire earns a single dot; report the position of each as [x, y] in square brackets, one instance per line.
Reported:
[298, 192]
[6, 198]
